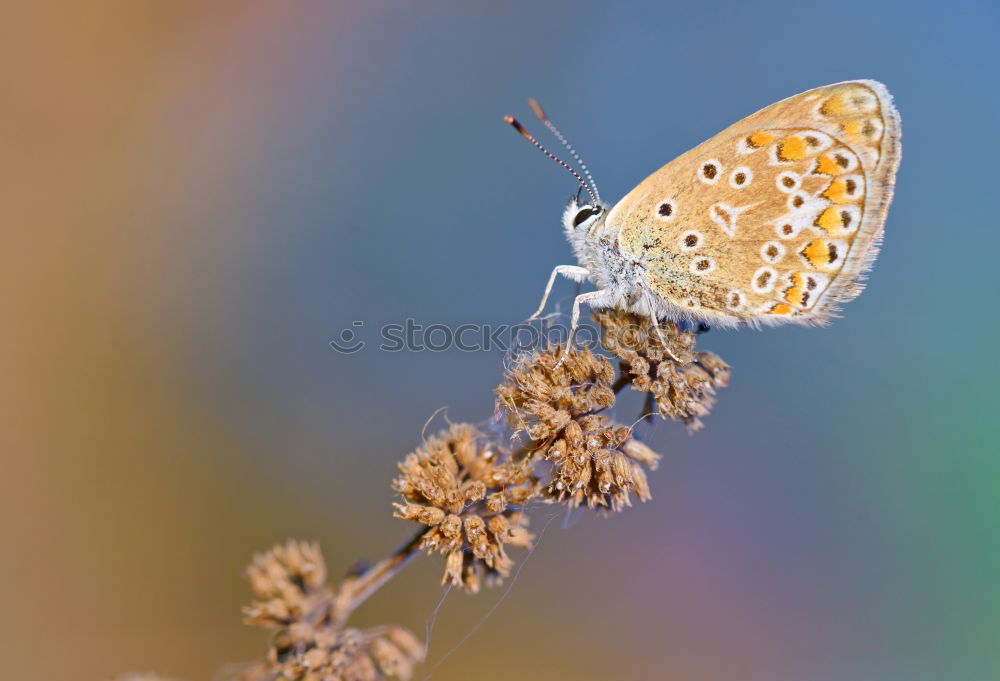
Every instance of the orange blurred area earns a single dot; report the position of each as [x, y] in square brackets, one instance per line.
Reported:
[122, 548]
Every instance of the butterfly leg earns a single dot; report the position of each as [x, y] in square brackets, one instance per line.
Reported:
[663, 339]
[594, 299]
[573, 272]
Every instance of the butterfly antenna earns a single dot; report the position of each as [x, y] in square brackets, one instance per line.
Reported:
[513, 122]
[540, 113]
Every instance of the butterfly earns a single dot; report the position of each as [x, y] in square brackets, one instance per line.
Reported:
[774, 220]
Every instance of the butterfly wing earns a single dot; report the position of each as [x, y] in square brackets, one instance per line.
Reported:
[777, 218]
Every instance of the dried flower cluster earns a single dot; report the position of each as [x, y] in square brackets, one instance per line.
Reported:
[661, 361]
[290, 584]
[311, 643]
[307, 651]
[599, 463]
[543, 396]
[557, 406]
[470, 494]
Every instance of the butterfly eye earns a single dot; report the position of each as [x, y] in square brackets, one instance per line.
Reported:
[586, 212]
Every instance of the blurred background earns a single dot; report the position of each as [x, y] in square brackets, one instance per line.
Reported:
[198, 197]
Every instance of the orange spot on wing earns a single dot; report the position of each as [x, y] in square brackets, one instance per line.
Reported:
[837, 192]
[825, 165]
[780, 308]
[852, 128]
[795, 293]
[792, 149]
[816, 252]
[829, 219]
[833, 106]
[759, 139]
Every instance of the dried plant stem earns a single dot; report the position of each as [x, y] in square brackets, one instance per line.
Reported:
[356, 590]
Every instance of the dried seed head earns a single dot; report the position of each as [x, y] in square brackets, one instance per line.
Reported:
[662, 361]
[600, 464]
[469, 493]
[716, 368]
[633, 338]
[310, 643]
[304, 652]
[289, 582]
[542, 399]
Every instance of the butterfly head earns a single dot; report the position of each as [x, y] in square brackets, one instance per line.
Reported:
[581, 218]
[585, 226]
